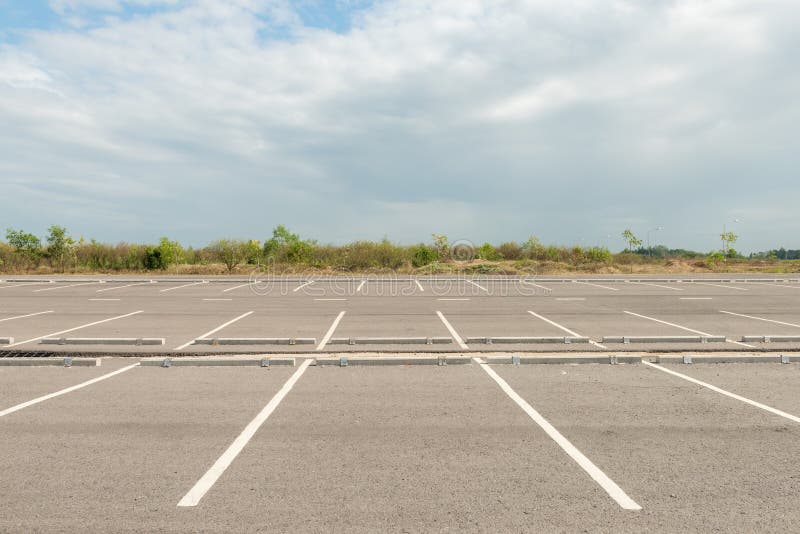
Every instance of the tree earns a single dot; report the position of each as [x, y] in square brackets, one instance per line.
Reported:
[442, 246]
[728, 239]
[59, 245]
[231, 252]
[170, 252]
[281, 238]
[631, 239]
[26, 245]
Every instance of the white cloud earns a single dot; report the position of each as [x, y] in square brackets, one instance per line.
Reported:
[534, 113]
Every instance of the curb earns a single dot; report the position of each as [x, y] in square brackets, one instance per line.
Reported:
[216, 362]
[663, 339]
[49, 362]
[255, 341]
[722, 358]
[101, 341]
[346, 361]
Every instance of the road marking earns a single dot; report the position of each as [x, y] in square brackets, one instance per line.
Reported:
[65, 287]
[28, 284]
[655, 285]
[23, 316]
[720, 285]
[129, 285]
[76, 328]
[184, 285]
[214, 300]
[324, 300]
[596, 285]
[761, 319]
[104, 300]
[763, 284]
[330, 331]
[198, 491]
[695, 298]
[65, 391]
[535, 285]
[453, 299]
[453, 331]
[571, 298]
[688, 329]
[565, 329]
[301, 286]
[217, 329]
[611, 487]
[419, 285]
[724, 392]
[360, 285]
[235, 287]
[476, 285]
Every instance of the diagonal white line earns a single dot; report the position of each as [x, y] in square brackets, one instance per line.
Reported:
[64, 391]
[330, 331]
[65, 287]
[76, 328]
[724, 392]
[235, 287]
[453, 332]
[655, 285]
[685, 328]
[184, 285]
[611, 487]
[217, 329]
[720, 285]
[596, 285]
[760, 319]
[301, 286]
[419, 285]
[565, 329]
[123, 287]
[476, 285]
[198, 491]
[23, 316]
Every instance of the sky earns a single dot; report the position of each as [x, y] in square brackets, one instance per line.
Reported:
[485, 120]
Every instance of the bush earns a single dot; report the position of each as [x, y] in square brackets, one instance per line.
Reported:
[154, 259]
[510, 251]
[423, 255]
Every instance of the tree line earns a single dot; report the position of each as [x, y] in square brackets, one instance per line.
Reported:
[60, 252]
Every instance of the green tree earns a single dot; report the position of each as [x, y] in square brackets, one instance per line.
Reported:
[280, 240]
[442, 246]
[26, 245]
[59, 245]
[631, 239]
[728, 239]
[171, 252]
[231, 252]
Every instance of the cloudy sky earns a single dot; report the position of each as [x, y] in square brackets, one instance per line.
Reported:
[358, 119]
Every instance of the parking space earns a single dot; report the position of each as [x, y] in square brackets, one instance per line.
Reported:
[695, 460]
[117, 456]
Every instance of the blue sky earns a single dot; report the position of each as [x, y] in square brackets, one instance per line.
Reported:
[358, 119]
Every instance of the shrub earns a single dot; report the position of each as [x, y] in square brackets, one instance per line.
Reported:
[423, 255]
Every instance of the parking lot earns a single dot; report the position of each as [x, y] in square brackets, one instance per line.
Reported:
[309, 315]
[453, 448]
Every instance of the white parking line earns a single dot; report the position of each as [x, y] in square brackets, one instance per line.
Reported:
[476, 285]
[65, 391]
[596, 285]
[76, 328]
[655, 285]
[184, 285]
[453, 332]
[23, 316]
[301, 286]
[330, 331]
[217, 329]
[760, 318]
[66, 286]
[198, 491]
[687, 329]
[129, 285]
[772, 285]
[419, 285]
[565, 329]
[453, 299]
[28, 284]
[720, 285]
[724, 392]
[526, 282]
[611, 487]
[235, 287]
[360, 285]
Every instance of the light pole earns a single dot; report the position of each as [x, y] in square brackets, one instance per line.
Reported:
[650, 250]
